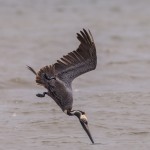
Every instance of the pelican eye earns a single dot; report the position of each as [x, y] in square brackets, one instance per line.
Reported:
[84, 121]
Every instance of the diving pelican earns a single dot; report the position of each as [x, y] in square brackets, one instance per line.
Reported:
[57, 78]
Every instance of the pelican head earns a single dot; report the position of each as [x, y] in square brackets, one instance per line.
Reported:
[83, 120]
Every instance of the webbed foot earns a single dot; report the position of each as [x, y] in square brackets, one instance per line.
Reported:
[41, 95]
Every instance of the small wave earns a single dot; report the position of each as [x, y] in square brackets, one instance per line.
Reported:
[16, 83]
[140, 133]
[18, 80]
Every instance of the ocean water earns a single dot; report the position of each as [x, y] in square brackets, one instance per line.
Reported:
[115, 96]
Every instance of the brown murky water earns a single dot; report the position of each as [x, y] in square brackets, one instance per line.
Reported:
[115, 95]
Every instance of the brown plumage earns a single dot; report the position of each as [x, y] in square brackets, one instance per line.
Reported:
[68, 68]
[57, 78]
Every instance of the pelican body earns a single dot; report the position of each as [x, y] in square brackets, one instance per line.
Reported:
[57, 78]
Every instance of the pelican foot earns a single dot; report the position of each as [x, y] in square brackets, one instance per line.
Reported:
[41, 95]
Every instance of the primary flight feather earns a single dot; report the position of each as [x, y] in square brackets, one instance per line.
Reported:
[57, 78]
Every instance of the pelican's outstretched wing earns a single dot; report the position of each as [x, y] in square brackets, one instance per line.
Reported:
[75, 63]
[82, 60]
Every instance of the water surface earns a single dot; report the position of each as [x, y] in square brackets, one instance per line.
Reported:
[115, 96]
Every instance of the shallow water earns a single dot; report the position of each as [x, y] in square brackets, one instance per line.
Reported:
[115, 96]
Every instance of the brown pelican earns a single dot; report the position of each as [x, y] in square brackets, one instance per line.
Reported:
[57, 78]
